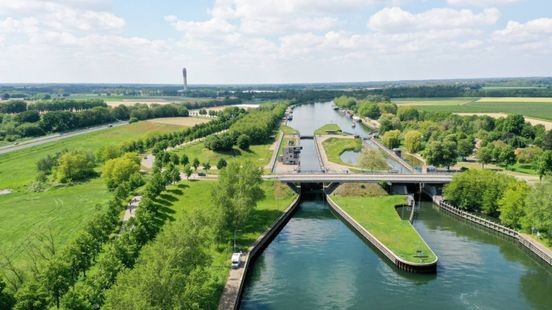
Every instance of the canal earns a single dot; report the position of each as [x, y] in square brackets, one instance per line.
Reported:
[317, 261]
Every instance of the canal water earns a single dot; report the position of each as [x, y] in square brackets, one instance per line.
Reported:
[318, 262]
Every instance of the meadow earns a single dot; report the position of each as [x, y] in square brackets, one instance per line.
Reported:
[60, 210]
[539, 108]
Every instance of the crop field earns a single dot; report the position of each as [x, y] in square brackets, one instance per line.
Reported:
[180, 121]
[60, 211]
[538, 108]
[433, 101]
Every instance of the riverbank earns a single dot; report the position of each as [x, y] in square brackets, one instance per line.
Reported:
[377, 220]
[233, 289]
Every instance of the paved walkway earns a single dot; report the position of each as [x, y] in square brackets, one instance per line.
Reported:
[329, 165]
[130, 212]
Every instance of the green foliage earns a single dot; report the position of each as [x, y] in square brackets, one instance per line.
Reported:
[6, 300]
[478, 190]
[259, 124]
[544, 164]
[441, 153]
[372, 159]
[184, 160]
[75, 166]
[195, 163]
[243, 142]
[108, 152]
[391, 138]
[222, 142]
[221, 163]
[512, 205]
[119, 170]
[539, 209]
[368, 109]
[236, 194]
[413, 141]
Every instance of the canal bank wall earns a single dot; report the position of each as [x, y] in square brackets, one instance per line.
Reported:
[396, 260]
[231, 294]
[526, 241]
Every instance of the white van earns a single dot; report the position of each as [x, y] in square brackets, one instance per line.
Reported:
[236, 260]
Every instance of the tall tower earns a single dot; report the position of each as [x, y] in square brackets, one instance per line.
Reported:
[185, 76]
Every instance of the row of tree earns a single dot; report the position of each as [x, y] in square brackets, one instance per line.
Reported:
[513, 202]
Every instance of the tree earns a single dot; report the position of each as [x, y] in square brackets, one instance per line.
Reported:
[465, 147]
[108, 152]
[539, 209]
[547, 140]
[184, 160]
[236, 194]
[221, 163]
[195, 163]
[507, 156]
[512, 205]
[135, 180]
[413, 141]
[373, 160]
[119, 170]
[391, 138]
[528, 155]
[56, 279]
[74, 166]
[171, 174]
[441, 153]
[6, 300]
[544, 164]
[243, 142]
[188, 171]
[478, 190]
[485, 155]
[207, 166]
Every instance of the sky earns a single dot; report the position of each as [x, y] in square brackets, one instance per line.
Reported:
[272, 41]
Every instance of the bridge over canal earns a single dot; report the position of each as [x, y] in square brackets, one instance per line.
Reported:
[318, 177]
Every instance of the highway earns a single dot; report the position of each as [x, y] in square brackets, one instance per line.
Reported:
[345, 177]
[54, 137]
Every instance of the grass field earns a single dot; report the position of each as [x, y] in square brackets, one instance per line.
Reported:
[197, 194]
[539, 108]
[288, 130]
[259, 154]
[61, 211]
[378, 216]
[327, 129]
[334, 147]
[17, 169]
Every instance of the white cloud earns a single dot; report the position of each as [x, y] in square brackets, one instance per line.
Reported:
[481, 3]
[395, 19]
[534, 36]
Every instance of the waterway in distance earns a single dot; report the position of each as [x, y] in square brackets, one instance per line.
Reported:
[318, 262]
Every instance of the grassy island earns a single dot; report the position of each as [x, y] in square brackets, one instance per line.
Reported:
[378, 216]
[329, 129]
[334, 147]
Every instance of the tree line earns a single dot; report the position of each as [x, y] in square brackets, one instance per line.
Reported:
[66, 279]
[513, 203]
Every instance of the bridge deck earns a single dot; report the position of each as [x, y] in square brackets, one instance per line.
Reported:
[329, 177]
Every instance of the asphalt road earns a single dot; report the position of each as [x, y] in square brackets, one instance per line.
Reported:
[55, 137]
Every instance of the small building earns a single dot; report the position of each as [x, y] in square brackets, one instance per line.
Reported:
[397, 151]
[291, 154]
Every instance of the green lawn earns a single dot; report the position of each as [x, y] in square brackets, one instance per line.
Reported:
[259, 154]
[18, 168]
[332, 128]
[378, 216]
[64, 210]
[334, 147]
[59, 211]
[288, 130]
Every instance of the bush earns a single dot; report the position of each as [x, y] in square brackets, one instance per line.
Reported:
[243, 142]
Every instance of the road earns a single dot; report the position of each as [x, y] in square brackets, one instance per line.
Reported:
[54, 137]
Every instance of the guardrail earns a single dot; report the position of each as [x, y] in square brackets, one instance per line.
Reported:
[526, 242]
[479, 220]
[318, 154]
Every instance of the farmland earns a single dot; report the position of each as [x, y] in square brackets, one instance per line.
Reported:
[539, 108]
